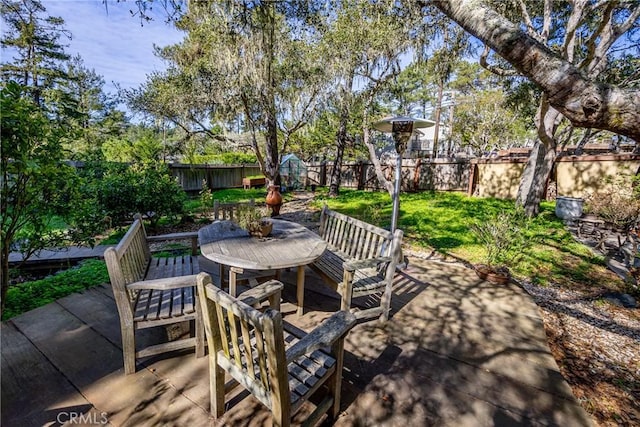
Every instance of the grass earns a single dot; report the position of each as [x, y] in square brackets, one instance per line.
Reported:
[441, 221]
[431, 221]
[30, 295]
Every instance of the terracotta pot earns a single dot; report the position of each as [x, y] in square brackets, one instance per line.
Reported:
[274, 200]
[491, 275]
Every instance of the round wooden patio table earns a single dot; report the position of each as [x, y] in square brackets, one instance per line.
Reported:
[288, 245]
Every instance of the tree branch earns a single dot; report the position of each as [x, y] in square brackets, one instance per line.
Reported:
[531, 29]
[254, 141]
[499, 71]
[600, 41]
[584, 102]
[546, 24]
[569, 44]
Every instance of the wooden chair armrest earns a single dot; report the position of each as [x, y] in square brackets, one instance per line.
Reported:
[165, 283]
[332, 329]
[261, 292]
[364, 263]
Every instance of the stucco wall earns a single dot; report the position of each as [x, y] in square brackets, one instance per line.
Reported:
[578, 177]
[498, 179]
[575, 176]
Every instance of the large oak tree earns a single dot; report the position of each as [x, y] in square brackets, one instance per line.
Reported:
[567, 64]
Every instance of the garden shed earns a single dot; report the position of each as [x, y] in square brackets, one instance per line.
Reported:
[293, 171]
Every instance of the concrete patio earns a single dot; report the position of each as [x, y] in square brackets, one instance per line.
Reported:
[457, 352]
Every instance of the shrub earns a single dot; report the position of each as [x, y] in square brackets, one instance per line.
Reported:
[206, 198]
[158, 194]
[229, 158]
[503, 236]
[145, 189]
[617, 202]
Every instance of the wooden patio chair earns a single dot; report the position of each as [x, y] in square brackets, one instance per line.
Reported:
[227, 211]
[277, 363]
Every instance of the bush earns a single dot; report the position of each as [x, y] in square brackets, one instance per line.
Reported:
[149, 190]
[503, 237]
[618, 202]
[158, 194]
[230, 158]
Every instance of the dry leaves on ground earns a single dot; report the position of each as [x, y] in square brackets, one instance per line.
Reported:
[597, 347]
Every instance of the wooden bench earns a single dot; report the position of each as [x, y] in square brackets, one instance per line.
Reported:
[360, 260]
[152, 291]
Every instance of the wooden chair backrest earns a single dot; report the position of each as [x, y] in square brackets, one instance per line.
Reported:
[227, 211]
[246, 343]
[354, 238]
[129, 260]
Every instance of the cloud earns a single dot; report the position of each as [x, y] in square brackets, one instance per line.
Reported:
[112, 41]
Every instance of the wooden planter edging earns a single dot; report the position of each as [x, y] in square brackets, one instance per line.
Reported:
[253, 182]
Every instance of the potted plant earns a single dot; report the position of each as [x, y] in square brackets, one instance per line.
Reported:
[252, 219]
[503, 239]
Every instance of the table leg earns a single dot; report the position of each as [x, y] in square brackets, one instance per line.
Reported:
[300, 290]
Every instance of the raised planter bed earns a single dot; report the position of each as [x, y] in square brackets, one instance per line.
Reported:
[250, 182]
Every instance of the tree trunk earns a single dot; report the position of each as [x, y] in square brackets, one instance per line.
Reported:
[341, 136]
[377, 167]
[535, 177]
[341, 142]
[272, 157]
[584, 102]
[436, 131]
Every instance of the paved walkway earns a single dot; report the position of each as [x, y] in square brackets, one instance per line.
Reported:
[69, 254]
[457, 352]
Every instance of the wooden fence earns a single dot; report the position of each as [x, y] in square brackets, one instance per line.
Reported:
[573, 176]
[417, 175]
[217, 177]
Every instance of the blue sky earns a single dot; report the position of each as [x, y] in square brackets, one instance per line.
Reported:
[113, 42]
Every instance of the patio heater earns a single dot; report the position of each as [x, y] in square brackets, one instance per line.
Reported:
[401, 128]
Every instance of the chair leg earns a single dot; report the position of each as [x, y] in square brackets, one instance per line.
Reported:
[385, 304]
[128, 349]
[221, 276]
[346, 291]
[274, 301]
[233, 280]
[335, 384]
[216, 387]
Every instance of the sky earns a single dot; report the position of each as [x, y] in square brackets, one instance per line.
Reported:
[112, 41]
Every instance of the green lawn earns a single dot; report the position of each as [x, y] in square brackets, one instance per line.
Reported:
[441, 221]
[431, 221]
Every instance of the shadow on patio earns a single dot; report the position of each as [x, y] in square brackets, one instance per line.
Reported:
[457, 351]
